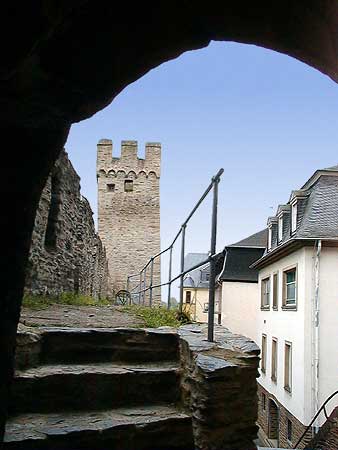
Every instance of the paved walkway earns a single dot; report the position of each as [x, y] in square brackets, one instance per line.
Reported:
[79, 316]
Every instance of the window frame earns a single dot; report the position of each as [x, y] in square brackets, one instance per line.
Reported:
[275, 290]
[280, 228]
[289, 431]
[288, 366]
[269, 237]
[264, 353]
[265, 295]
[188, 294]
[294, 216]
[285, 304]
[206, 307]
[274, 359]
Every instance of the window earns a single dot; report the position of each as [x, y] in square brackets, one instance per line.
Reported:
[290, 288]
[263, 401]
[265, 293]
[206, 307]
[293, 217]
[274, 360]
[269, 238]
[280, 228]
[287, 366]
[275, 292]
[263, 354]
[289, 430]
[110, 187]
[207, 275]
[128, 186]
[188, 297]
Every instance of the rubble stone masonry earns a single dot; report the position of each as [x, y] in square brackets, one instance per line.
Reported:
[66, 253]
[129, 210]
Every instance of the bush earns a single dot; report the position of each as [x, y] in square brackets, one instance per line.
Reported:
[158, 316]
[66, 298]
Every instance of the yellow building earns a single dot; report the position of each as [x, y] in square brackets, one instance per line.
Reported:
[196, 289]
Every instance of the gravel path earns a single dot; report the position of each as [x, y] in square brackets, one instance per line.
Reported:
[79, 316]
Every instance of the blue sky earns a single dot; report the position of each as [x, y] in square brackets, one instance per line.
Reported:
[269, 120]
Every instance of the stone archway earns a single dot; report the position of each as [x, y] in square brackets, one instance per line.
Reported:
[69, 59]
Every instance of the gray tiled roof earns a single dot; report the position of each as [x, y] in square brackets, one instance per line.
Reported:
[191, 259]
[320, 218]
[317, 217]
[258, 239]
[195, 277]
[198, 278]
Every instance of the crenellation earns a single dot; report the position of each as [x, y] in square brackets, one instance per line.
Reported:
[129, 211]
[129, 160]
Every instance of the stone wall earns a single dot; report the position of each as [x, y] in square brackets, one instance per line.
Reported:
[327, 437]
[283, 416]
[66, 254]
[129, 210]
[219, 389]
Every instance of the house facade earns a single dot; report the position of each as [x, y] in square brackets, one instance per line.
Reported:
[239, 284]
[196, 288]
[297, 320]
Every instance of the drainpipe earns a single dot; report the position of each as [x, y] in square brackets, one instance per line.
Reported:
[316, 333]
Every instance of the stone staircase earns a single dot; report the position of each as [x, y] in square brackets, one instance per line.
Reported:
[99, 389]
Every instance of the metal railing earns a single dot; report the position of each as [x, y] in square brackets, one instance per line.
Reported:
[322, 408]
[141, 288]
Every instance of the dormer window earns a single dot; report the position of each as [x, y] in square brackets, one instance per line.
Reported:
[293, 217]
[280, 227]
[269, 238]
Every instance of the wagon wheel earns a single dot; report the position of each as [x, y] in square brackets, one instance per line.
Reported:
[123, 298]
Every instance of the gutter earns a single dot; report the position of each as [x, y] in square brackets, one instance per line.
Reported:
[315, 322]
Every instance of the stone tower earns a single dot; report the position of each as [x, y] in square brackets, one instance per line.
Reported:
[129, 210]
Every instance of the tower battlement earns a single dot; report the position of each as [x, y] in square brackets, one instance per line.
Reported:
[129, 160]
[129, 209]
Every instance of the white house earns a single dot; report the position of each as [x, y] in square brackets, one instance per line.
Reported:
[239, 284]
[297, 320]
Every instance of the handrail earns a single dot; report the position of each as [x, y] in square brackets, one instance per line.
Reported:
[322, 408]
[213, 186]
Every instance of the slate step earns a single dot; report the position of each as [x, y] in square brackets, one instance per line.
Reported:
[76, 345]
[96, 386]
[153, 427]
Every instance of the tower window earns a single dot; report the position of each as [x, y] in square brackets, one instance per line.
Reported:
[128, 186]
[110, 187]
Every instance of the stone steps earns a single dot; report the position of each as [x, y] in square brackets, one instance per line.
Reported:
[97, 386]
[81, 345]
[98, 389]
[152, 427]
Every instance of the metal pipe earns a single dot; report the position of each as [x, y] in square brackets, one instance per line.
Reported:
[208, 189]
[145, 286]
[316, 333]
[212, 276]
[169, 276]
[139, 290]
[182, 265]
[151, 282]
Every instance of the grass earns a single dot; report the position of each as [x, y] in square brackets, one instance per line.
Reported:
[158, 316]
[66, 298]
